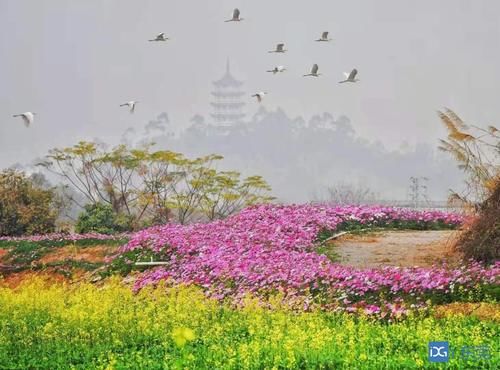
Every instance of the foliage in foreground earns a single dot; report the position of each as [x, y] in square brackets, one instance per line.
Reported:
[86, 327]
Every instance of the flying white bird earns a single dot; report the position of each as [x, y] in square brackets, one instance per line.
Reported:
[314, 71]
[28, 117]
[324, 37]
[277, 69]
[130, 104]
[235, 17]
[260, 95]
[280, 48]
[350, 77]
[160, 37]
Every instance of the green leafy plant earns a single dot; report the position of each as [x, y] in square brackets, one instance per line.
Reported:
[101, 218]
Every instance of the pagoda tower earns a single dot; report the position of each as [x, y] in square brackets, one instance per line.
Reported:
[227, 104]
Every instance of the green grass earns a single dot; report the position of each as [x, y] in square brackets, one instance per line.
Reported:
[329, 250]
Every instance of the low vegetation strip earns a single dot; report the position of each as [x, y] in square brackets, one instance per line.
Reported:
[85, 326]
[19, 254]
[58, 239]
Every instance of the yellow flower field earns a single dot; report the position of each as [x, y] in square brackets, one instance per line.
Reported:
[84, 326]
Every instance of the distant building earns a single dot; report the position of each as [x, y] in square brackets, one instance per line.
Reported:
[228, 104]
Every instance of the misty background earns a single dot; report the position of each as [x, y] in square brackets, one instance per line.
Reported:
[74, 62]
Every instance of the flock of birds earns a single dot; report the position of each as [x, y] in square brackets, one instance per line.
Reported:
[29, 117]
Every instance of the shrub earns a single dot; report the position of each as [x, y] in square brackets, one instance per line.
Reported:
[25, 208]
[102, 219]
[482, 240]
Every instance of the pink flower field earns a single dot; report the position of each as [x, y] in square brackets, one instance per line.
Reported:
[270, 249]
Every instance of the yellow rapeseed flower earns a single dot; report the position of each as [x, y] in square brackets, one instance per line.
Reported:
[182, 335]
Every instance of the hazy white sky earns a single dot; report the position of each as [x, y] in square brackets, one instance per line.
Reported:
[74, 62]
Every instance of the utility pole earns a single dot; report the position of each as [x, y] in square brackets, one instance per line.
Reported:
[418, 190]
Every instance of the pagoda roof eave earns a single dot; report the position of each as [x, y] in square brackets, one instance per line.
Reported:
[227, 80]
[227, 104]
[228, 94]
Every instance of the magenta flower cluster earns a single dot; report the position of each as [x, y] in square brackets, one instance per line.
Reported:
[269, 249]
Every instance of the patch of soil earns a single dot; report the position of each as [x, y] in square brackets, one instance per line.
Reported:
[88, 254]
[397, 248]
[14, 280]
[62, 272]
[3, 253]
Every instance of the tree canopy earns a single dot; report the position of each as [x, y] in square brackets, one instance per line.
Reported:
[155, 186]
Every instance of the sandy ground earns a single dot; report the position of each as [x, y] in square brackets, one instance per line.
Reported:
[89, 254]
[396, 248]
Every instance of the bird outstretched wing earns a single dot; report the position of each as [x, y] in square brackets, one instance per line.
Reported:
[280, 47]
[258, 96]
[353, 74]
[314, 69]
[324, 35]
[236, 13]
[27, 120]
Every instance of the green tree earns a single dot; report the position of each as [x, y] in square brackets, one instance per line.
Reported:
[25, 207]
[101, 218]
[156, 186]
[225, 193]
[111, 177]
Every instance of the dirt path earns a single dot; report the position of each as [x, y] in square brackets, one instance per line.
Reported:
[395, 248]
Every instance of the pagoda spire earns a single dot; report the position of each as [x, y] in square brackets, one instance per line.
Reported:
[228, 104]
